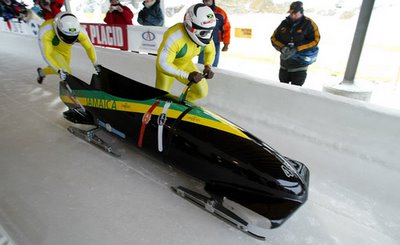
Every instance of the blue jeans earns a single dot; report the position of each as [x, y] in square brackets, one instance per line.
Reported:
[216, 59]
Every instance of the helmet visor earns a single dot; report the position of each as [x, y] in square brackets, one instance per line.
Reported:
[203, 33]
[66, 38]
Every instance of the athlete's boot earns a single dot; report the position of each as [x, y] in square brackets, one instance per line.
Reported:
[41, 75]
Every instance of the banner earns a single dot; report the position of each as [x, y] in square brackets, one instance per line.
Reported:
[243, 32]
[15, 26]
[145, 39]
[112, 36]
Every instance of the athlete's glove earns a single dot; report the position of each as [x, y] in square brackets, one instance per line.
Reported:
[207, 72]
[195, 77]
[63, 74]
[97, 67]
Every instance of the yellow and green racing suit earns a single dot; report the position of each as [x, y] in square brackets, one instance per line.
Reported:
[174, 61]
[57, 53]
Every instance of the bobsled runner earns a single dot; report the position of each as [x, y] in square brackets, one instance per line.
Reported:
[248, 183]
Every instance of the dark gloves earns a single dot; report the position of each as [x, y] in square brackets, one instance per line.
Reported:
[63, 74]
[288, 52]
[225, 47]
[142, 14]
[195, 77]
[97, 67]
[207, 72]
[284, 50]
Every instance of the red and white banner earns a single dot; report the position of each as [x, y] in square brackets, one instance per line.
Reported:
[113, 36]
[145, 39]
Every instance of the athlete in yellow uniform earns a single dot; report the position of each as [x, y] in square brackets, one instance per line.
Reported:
[181, 43]
[56, 39]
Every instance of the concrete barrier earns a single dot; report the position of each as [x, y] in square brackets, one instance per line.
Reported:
[364, 130]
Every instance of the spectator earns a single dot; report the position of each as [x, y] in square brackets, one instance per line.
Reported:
[36, 8]
[7, 9]
[296, 38]
[50, 8]
[181, 43]
[118, 14]
[56, 39]
[151, 14]
[10, 9]
[222, 31]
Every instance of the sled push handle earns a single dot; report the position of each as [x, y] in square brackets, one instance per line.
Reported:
[186, 90]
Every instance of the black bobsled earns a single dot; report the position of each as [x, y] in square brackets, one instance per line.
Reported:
[249, 183]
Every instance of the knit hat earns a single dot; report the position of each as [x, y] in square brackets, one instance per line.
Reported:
[296, 7]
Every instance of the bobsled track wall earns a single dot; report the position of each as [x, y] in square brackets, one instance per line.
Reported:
[358, 128]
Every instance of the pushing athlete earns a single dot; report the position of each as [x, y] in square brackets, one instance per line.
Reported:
[181, 43]
[56, 39]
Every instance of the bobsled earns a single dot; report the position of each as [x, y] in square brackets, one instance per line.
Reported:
[246, 181]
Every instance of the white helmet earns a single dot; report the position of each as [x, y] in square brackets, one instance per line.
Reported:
[199, 23]
[67, 27]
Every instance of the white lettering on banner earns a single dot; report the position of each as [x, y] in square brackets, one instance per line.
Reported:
[31, 28]
[16, 26]
[92, 33]
[107, 35]
[114, 35]
[103, 36]
[118, 34]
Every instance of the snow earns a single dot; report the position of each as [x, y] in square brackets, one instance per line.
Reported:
[58, 189]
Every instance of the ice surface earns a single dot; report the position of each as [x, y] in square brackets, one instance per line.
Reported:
[57, 189]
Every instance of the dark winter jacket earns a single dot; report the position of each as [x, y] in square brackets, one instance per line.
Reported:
[303, 35]
[152, 16]
[12, 10]
[7, 11]
[222, 30]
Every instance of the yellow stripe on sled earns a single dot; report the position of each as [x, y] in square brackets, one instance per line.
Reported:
[221, 124]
